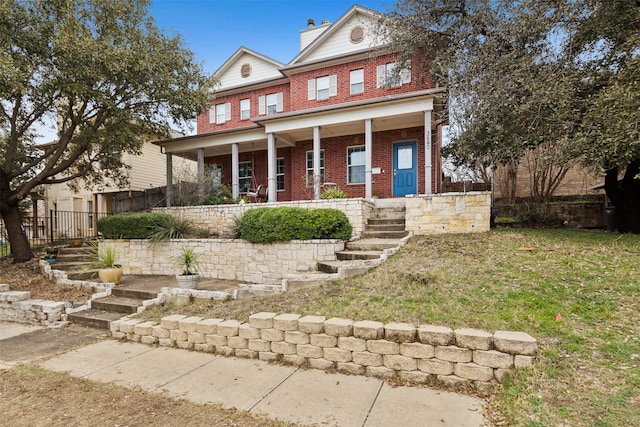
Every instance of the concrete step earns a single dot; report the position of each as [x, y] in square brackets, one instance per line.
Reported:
[71, 257]
[93, 318]
[309, 280]
[348, 268]
[65, 265]
[80, 274]
[117, 304]
[372, 244]
[378, 221]
[384, 234]
[355, 255]
[133, 293]
[384, 227]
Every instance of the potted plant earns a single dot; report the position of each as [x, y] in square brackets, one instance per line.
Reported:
[51, 255]
[103, 258]
[187, 262]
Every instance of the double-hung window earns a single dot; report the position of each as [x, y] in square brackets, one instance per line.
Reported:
[280, 173]
[220, 113]
[244, 176]
[393, 74]
[310, 168]
[356, 81]
[271, 104]
[322, 87]
[355, 164]
[245, 109]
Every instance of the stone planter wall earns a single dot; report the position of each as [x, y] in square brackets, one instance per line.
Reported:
[416, 354]
[219, 220]
[228, 259]
[449, 213]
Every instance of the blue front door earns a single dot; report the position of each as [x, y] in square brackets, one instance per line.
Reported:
[405, 180]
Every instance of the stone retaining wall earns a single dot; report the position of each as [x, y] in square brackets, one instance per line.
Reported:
[219, 220]
[18, 307]
[449, 213]
[416, 354]
[228, 259]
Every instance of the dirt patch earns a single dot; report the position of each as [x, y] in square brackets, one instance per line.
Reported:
[47, 342]
[34, 397]
[26, 277]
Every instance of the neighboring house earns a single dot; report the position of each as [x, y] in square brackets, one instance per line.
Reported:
[146, 171]
[341, 113]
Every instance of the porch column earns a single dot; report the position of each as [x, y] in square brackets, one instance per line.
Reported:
[169, 178]
[316, 162]
[368, 143]
[201, 174]
[427, 152]
[271, 166]
[235, 171]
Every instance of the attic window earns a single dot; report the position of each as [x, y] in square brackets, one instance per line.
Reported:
[356, 35]
[245, 70]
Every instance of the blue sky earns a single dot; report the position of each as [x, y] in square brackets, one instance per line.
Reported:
[215, 29]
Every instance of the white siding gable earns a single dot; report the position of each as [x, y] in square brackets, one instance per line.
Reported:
[338, 41]
[230, 74]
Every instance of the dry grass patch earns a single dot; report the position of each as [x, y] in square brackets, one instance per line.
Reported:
[588, 372]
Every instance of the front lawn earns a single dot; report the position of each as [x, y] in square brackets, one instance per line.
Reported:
[575, 291]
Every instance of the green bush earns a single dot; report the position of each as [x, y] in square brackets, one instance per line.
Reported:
[264, 225]
[333, 193]
[132, 225]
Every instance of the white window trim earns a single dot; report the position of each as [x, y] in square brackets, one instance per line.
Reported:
[241, 178]
[227, 113]
[312, 87]
[348, 165]
[262, 103]
[248, 101]
[309, 172]
[280, 174]
[352, 82]
[404, 75]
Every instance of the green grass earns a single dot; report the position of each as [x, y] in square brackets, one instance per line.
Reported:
[588, 372]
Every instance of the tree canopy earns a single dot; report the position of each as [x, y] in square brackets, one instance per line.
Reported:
[562, 75]
[105, 73]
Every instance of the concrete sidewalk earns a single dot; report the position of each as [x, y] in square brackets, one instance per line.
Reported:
[281, 392]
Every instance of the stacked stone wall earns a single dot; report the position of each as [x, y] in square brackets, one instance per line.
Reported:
[19, 307]
[449, 213]
[219, 220]
[228, 259]
[417, 354]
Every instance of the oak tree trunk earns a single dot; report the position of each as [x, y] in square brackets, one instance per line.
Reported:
[625, 196]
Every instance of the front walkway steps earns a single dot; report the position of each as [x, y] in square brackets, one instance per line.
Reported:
[383, 235]
[120, 303]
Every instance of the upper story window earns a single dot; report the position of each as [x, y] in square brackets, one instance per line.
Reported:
[220, 113]
[355, 164]
[356, 81]
[245, 109]
[393, 74]
[322, 87]
[271, 104]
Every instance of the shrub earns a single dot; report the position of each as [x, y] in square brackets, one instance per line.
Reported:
[264, 225]
[333, 193]
[169, 227]
[131, 225]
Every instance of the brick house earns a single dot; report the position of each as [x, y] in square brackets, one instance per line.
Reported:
[343, 112]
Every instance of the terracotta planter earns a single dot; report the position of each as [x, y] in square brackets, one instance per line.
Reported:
[110, 275]
[76, 244]
[187, 282]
